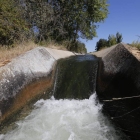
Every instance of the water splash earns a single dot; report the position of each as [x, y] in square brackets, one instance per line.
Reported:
[64, 120]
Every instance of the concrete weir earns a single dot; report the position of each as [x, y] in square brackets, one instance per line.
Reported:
[30, 77]
[26, 78]
[118, 88]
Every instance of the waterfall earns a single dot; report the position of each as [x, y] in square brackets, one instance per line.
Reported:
[73, 112]
[76, 77]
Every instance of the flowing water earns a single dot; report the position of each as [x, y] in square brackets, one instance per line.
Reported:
[74, 113]
[64, 120]
[76, 77]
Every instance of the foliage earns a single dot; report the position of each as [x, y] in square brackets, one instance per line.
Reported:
[112, 40]
[77, 47]
[11, 22]
[119, 37]
[101, 43]
[66, 19]
[136, 44]
[58, 20]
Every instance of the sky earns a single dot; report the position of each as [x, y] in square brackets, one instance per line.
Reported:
[123, 17]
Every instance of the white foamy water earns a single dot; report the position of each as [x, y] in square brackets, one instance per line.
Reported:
[64, 120]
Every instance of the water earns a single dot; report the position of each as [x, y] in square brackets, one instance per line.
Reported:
[76, 77]
[64, 120]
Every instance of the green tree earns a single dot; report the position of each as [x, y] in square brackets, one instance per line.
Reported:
[101, 44]
[66, 19]
[12, 24]
[77, 47]
[111, 40]
[82, 16]
[119, 37]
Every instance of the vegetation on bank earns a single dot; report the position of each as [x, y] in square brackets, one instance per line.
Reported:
[135, 44]
[60, 21]
[112, 40]
[7, 53]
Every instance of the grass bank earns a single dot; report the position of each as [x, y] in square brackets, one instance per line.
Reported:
[8, 53]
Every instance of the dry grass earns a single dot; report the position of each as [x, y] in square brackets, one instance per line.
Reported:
[134, 50]
[10, 53]
[56, 46]
[103, 48]
[136, 44]
[7, 54]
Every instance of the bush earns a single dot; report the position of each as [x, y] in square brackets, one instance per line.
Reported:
[101, 44]
[13, 26]
[112, 40]
[77, 47]
[136, 44]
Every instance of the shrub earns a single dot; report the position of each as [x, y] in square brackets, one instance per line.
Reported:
[77, 47]
[136, 44]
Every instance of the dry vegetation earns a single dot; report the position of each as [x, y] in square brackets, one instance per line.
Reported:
[7, 54]
[134, 49]
[136, 44]
[103, 48]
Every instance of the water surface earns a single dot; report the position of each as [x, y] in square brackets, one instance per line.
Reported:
[64, 120]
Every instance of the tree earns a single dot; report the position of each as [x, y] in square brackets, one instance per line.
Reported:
[58, 20]
[119, 37]
[111, 40]
[77, 47]
[101, 43]
[12, 25]
[66, 19]
[82, 17]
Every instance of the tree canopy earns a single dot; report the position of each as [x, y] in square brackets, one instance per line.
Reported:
[66, 19]
[12, 24]
[112, 40]
[101, 43]
[119, 37]
[58, 20]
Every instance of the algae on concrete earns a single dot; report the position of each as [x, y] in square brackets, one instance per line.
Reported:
[76, 77]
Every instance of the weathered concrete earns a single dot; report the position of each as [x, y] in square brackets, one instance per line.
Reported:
[27, 77]
[119, 77]
[103, 52]
[57, 54]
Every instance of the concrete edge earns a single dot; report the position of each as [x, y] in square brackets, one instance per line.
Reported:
[21, 75]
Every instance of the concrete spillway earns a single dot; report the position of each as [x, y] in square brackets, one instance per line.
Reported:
[77, 117]
[38, 74]
[118, 88]
[76, 77]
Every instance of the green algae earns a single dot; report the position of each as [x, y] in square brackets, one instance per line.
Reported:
[76, 77]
